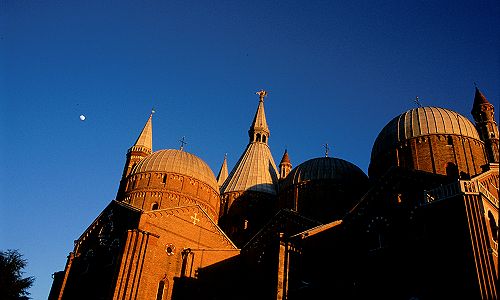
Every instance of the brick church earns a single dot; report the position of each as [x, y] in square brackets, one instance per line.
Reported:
[423, 224]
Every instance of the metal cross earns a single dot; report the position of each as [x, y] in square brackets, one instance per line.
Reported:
[326, 149]
[195, 219]
[417, 101]
[183, 142]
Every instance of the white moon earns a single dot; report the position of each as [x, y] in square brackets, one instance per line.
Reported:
[82, 117]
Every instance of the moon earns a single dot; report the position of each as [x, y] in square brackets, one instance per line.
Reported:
[82, 117]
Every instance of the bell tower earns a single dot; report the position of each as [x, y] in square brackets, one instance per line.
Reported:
[141, 148]
[484, 116]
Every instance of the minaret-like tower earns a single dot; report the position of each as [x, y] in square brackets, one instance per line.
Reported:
[484, 116]
[285, 165]
[248, 195]
[141, 148]
[259, 132]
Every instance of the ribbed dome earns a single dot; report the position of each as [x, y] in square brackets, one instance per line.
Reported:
[177, 161]
[422, 121]
[324, 168]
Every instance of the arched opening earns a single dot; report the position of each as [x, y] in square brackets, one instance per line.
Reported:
[258, 137]
[452, 170]
[263, 138]
[161, 288]
[450, 141]
[493, 226]
[155, 206]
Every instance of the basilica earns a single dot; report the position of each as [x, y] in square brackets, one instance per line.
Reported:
[422, 224]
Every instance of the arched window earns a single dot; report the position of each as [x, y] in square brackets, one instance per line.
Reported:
[450, 141]
[155, 206]
[161, 288]
[258, 137]
[452, 170]
[493, 226]
[263, 138]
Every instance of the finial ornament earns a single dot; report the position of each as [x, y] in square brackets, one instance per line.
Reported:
[326, 149]
[183, 142]
[261, 94]
[153, 110]
[417, 101]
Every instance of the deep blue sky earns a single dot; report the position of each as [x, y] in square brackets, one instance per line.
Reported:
[336, 73]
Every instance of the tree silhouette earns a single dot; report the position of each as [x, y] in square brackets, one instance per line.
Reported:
[12, 285]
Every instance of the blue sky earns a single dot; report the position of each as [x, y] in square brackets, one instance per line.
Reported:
[336, 72]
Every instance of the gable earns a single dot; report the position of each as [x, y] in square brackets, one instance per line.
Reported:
[186, 225]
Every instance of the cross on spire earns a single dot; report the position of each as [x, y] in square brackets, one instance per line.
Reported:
[261, 94]
[417, 101]
[326, 149]
[183, 142]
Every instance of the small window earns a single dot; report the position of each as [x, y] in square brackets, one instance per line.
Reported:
[161, 287]
[164, 179]
[155, 206]
[450, 141]
[258, 137]
[263, 138]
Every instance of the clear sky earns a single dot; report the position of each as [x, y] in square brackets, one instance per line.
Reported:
[336, 72]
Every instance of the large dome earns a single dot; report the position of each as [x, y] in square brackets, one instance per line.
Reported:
[323, 188]
[172, 178]
[177, 161]
[423, 121]
[324, 168]
[430, 139]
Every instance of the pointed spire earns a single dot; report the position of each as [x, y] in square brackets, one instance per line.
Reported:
[142, 147]
[285, 165]
[259, 131]
[223, 172]
[483, 112]
[479, 99]
[145, 139]
[285, 159]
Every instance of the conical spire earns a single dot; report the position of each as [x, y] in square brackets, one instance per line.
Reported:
[223, 172]
[479, 99]
[145, 139]
[142, 147]
[259, 132]
[285, 165]
[255, 170]
[483, 112]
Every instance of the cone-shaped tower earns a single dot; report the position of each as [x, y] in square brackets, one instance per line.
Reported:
[248, 195]
[285, 165]
[484, 116]
[141, 148]
[223, 172]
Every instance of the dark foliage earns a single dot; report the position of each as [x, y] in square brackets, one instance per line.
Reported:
[12, 285]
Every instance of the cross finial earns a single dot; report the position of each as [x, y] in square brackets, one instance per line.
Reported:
[153, 110]
[326, 149]
[183, 142]
[261, 94]
[417, 101]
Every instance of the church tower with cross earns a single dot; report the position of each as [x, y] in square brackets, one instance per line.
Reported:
[176, 231]
[248, 195]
